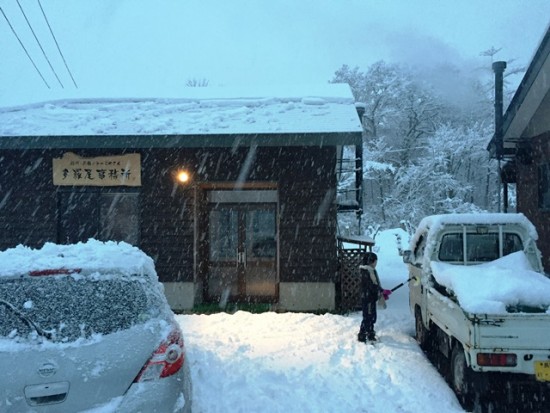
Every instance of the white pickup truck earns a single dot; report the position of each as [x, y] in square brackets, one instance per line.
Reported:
[481, 304]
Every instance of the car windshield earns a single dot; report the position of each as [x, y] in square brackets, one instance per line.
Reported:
[70, 308]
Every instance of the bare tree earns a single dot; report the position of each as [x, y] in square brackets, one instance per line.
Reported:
[193, 82]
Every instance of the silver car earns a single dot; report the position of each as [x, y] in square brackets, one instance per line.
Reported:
[74, 338]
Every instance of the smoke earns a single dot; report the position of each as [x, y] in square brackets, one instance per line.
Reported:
[441, 65]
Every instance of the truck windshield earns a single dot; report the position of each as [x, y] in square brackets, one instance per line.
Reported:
[479, 247]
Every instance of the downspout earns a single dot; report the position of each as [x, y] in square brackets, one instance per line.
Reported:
[498, 68]
[359, 171]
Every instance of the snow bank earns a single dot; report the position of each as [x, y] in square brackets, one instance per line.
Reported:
[87, 256]
[490, 287]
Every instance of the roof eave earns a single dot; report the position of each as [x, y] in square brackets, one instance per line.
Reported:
[528, 96]
[180, 141]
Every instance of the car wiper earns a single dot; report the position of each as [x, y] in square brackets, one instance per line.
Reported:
[27, 320]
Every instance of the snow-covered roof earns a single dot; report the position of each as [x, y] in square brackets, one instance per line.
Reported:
[532, 94]
[87, 257]
[325, 109]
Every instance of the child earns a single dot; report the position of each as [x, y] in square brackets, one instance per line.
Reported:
[371, 292]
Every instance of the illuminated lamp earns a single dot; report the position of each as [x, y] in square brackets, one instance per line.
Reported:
[183, 176]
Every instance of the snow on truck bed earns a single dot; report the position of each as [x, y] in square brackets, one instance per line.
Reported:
[490, 287]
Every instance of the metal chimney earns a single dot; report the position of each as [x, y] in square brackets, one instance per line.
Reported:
[498, 68]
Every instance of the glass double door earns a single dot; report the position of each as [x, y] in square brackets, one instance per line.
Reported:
[242, 251]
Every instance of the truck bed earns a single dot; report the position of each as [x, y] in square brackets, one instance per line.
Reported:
[525, 334]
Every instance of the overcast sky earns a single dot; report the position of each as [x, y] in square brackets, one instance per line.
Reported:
[131, 45]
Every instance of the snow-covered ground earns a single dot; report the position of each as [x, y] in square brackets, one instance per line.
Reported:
[302, 362]
[299, 362]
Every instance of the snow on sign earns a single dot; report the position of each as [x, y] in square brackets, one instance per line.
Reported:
[74, 170]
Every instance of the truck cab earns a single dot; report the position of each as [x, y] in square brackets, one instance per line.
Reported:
[466, 239]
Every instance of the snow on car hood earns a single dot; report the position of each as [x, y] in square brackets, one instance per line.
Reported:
[488, 288]
[87, 256]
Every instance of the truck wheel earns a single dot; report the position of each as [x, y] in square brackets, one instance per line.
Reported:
[422, 333]
[460, 378]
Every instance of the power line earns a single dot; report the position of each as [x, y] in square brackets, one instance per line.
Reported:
[23, 46]
[39, 44]
[58, 48]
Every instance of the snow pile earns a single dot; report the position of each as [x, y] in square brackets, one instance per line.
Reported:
[273, 363]
[87, 256]
[490, 287]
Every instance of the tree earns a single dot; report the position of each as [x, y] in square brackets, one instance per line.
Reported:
[379, 89]
[378, 178]
[399, 113]
[193, 82]
[425, 138]
[447, 178]
[420, 116]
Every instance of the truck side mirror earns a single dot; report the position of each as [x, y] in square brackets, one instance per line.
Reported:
[407, 257]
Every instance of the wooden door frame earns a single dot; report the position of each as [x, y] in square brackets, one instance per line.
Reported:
[202, 211]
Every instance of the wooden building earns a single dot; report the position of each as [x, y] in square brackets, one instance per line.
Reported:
[231, 194]
[525, 145]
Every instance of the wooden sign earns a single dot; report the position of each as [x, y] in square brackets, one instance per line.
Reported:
[121, 170]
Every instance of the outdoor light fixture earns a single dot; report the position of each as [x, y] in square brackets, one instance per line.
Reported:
[182, 176]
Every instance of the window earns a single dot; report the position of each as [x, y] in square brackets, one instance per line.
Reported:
[106, 216]
[544, 186]
[77, 307]
[118, 216]
[479, 247]
[419, 248]
[451, 248]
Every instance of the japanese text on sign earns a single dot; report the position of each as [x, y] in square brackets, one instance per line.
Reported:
[118, 170]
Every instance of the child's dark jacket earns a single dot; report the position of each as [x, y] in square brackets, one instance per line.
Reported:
[370, 283]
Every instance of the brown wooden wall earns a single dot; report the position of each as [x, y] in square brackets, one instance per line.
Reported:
[305, 178]
[528, 192]
[28, 201]
[307, 226]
